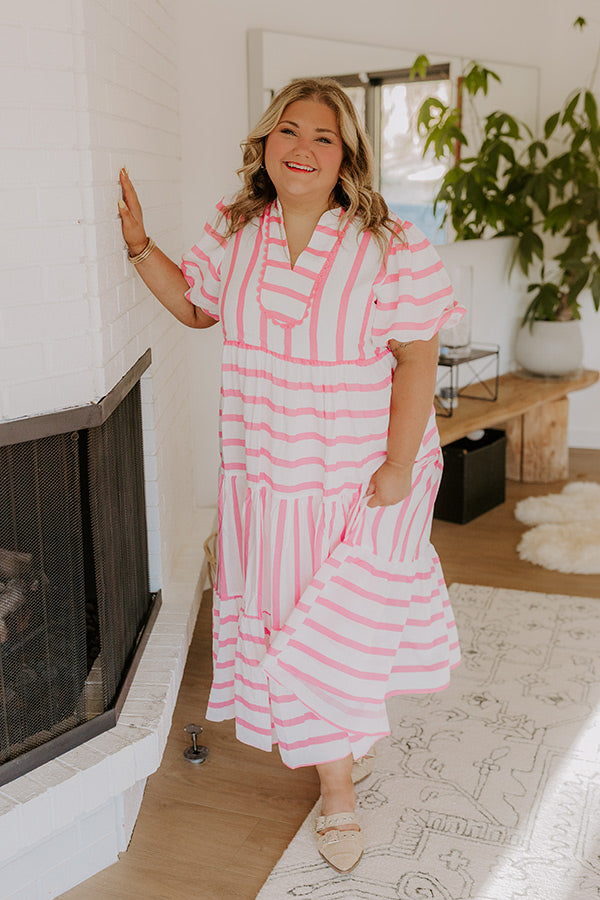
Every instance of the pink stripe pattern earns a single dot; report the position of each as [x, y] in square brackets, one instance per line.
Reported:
[323, 607]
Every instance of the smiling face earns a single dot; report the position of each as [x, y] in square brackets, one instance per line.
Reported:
[303, 154]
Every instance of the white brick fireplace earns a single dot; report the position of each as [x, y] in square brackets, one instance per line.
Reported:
[88, 86]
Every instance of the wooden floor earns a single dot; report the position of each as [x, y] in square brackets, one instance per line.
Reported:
[215, 831]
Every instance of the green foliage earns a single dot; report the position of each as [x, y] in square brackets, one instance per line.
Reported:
[419, 67]
[516, 184]
[476, 79]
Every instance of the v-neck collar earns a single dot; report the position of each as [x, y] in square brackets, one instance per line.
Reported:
[285, 294]
[328, 221]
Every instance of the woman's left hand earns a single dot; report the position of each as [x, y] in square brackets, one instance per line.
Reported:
[391, 483]
[132, 218]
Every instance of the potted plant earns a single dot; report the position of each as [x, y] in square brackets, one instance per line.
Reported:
[543, 190]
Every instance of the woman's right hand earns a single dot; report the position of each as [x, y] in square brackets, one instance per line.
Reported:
[132, 219]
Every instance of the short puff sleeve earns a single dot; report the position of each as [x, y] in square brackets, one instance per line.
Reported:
[201, 266]
[413, 293]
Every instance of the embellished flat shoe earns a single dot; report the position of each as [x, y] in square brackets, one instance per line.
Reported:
[363, 767]
[341, 849]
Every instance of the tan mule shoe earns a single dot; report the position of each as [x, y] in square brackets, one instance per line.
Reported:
[363, 767]
[341, 849]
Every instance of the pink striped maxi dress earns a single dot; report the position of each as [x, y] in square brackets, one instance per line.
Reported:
[322, 605]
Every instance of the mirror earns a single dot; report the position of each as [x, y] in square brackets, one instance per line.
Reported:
[274, 58]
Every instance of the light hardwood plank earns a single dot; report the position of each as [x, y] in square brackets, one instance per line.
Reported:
[215, 831]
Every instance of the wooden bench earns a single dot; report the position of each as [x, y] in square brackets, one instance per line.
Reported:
[534, 414]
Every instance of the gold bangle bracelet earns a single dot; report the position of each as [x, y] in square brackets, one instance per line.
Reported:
[136, 260]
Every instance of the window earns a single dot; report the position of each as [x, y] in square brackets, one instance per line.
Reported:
[388, 104]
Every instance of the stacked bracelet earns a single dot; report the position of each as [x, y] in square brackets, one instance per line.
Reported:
[135, 260]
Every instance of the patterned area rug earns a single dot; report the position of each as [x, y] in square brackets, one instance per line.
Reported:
[489, 790]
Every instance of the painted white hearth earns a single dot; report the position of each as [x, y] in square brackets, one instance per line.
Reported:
[89, 86]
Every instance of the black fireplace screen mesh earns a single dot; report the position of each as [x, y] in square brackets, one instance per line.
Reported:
[117, 510]
[73, 575]
[42, 596]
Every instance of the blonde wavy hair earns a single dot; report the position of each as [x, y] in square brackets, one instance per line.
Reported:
[354, 189]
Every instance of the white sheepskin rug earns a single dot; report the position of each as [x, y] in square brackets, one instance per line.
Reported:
[566, 536]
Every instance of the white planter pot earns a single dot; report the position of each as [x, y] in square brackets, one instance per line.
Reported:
[550, 348]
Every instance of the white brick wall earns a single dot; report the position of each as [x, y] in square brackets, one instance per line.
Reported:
[84, 89]
[43, 291]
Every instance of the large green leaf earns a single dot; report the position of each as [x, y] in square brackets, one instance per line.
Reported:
[419, 67]
[502, 123]
[476, 79]
[453, 175]
[557, 218]
[591, 109]
[575, 288]
[545, 303]
[579, 139]
[530, 245]
[550, 124]
[431, 111]
[505, 150]
[567, 117]
[474, 192]
[537, 147]
[540, 191]
[573, 256]
[559, 165]
[595, 288]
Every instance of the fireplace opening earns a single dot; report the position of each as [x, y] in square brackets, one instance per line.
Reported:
[75, 604]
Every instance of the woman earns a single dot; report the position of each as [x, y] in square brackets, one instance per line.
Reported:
[329, 595]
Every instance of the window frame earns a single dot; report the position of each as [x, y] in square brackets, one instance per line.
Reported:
[372, 82]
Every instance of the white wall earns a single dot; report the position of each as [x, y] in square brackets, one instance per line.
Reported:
[214, 122]
[46, 339]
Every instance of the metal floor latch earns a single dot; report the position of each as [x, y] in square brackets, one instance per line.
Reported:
[195, 753]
